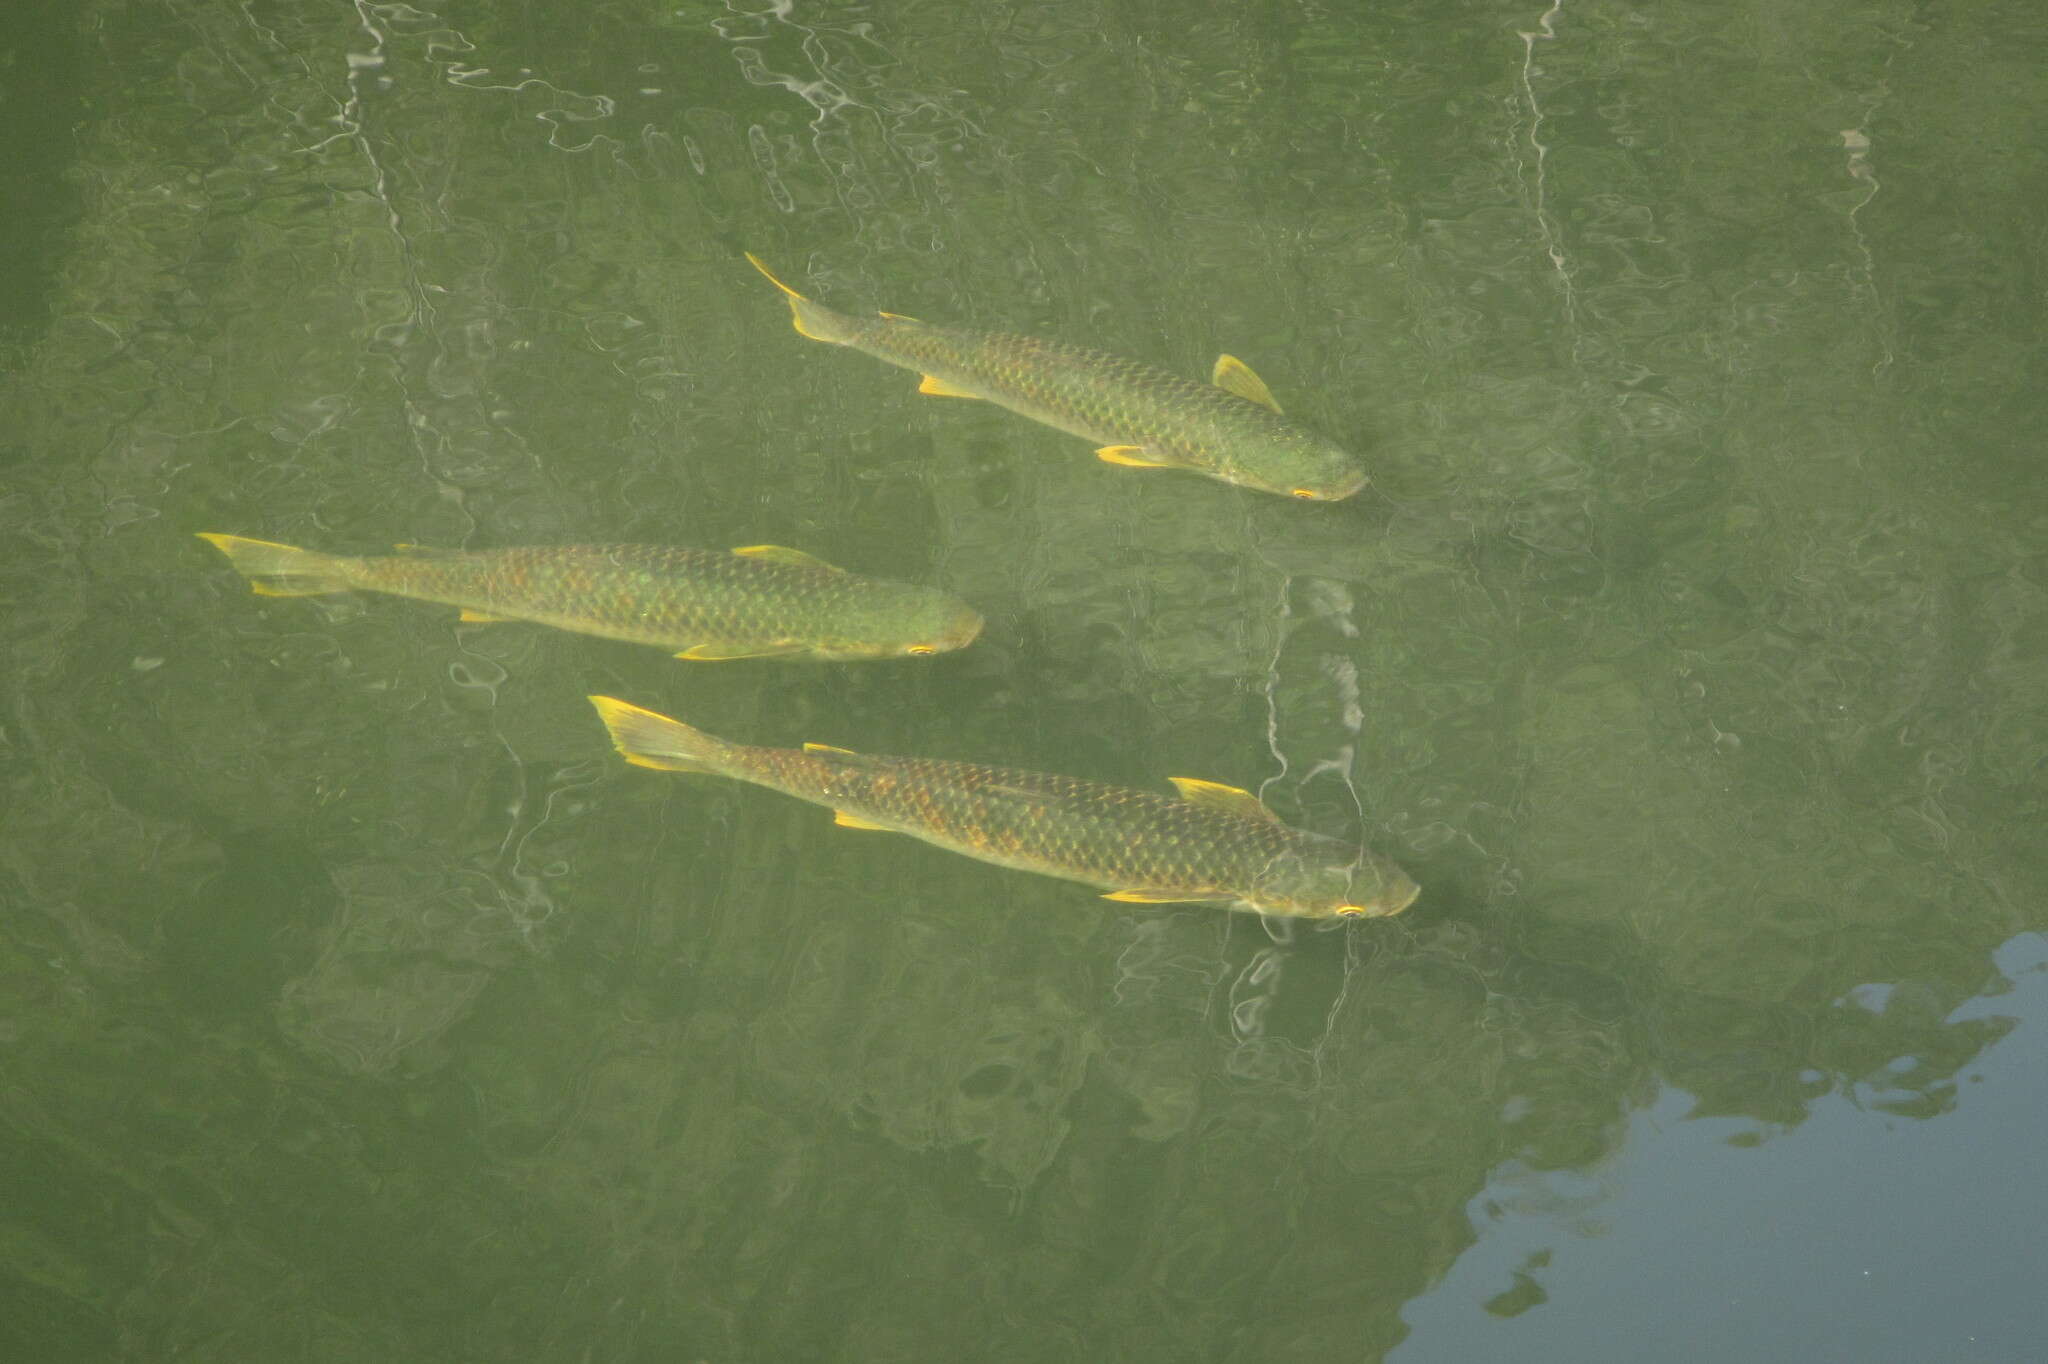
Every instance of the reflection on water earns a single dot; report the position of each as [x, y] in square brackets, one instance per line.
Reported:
[1688, 648]
[1843, 1213]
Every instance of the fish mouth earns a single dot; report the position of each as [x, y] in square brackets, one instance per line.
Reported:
[1334, 489]
[1384, 905]
[1391, 905]
[1331, 492]
[957, 635]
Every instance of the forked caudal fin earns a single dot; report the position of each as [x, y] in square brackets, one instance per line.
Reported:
[813, 320]
[275, 570]
[646, 739]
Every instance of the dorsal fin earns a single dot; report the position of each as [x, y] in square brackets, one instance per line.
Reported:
[1229, 799]
[1236, 376]
[781, 554]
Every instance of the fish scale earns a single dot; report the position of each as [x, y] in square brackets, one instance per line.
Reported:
[647, 593]
[1080, 390]
[1213, 844]
[1230, 429]
[757, 602]
[1110, 835]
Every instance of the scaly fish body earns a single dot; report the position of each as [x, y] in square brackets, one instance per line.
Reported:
[1230, 429]
[758, 602]
[1212, 843]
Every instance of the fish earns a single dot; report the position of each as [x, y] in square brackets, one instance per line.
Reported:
[1141, 416]
[757, 601]
[1206, 844]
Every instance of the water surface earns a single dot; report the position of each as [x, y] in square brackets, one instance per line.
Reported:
[1691, 649]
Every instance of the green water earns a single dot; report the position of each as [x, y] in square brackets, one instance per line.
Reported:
[1691, 650]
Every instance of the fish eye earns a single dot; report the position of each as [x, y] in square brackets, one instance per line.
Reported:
[1307, 493]
[1351, 911]
[920, 650]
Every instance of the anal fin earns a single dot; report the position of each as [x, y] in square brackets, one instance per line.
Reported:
[1130, 455]
[721, 653]
[939, 388]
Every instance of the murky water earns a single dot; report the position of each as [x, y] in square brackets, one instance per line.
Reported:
[1690, 649]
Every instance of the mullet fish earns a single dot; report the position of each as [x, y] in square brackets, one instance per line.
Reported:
[1210, 844]
[1141, 416]
[761, 601]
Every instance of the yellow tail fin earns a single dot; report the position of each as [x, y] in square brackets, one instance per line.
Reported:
[813, 320]
[275, 570]
[647, 739]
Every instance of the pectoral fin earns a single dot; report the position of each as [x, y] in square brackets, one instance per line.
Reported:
[827, 748]
[939, 388]
[1167, 897]
[899, 317]
[469, 617]
[846, 821]
[1236, 376]
[1132, 455]
[780, 554]
[1228, 799]
[721, 653]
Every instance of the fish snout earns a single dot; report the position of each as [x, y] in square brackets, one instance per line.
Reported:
[957, 632]
[1396, 891]
[1334, 489]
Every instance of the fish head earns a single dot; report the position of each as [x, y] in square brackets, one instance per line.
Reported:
[1325, 879]
[900, 620]
[1295, 462]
